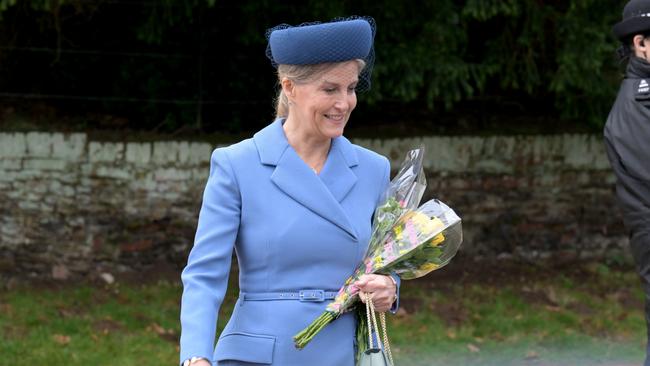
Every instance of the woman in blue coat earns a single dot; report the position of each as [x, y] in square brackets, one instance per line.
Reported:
[295, 203]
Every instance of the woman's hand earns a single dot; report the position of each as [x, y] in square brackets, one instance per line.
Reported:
[382, 290]
[201, 363]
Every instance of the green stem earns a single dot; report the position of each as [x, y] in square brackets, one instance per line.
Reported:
[301, 339]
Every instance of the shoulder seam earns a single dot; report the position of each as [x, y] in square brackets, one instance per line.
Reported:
[232, 171]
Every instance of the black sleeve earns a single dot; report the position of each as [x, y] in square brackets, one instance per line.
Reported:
[627, 140]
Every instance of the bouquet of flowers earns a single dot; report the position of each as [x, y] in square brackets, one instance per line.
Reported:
[406, 240]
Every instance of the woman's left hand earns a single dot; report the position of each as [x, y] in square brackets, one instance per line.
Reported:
[381, 288]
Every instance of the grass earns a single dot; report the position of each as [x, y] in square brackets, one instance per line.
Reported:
[580, 316]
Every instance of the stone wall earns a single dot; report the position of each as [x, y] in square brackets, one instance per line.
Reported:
[529, 197]
[69, 205]
[72, 206]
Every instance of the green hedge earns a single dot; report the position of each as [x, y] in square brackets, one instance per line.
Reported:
[554, 58]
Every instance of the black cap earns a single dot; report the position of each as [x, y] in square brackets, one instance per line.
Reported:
[636, 19]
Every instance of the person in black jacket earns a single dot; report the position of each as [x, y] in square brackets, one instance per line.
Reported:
[627, 138]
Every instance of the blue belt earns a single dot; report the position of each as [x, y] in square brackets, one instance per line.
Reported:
[302, 295]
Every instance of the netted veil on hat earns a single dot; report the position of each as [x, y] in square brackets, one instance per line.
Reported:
[341, 39]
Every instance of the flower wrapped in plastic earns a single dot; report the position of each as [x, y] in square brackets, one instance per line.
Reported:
[405, 240]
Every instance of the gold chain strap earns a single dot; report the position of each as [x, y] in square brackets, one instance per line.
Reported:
[370, 313]
[382, 319]
[369, 309]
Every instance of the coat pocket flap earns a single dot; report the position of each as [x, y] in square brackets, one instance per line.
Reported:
[245, 347]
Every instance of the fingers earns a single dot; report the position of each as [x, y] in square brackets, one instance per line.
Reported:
[381, 302]
[362, 281]
[375, 283]
[381, 288]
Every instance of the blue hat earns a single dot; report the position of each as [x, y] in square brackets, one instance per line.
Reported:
[316, 43]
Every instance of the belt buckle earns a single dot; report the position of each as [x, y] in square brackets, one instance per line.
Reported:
[312, 295]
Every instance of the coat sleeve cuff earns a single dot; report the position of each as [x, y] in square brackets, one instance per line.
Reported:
[398, 281]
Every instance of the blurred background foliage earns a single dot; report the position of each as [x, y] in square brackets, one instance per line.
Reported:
[198, 66]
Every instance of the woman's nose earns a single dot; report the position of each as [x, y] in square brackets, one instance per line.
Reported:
[343, 102]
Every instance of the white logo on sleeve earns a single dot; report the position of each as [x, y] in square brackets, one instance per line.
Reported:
[643, 87]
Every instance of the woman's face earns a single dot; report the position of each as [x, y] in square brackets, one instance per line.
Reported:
[323, 106]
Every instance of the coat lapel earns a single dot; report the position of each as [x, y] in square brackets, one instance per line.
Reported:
[321, 195]
[337, 173]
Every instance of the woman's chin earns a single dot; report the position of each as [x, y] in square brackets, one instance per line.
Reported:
[335, 128]
[335, 132]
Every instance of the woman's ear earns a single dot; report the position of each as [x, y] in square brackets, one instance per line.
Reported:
[288, 88]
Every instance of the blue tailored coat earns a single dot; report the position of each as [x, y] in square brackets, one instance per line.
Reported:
[292, 230]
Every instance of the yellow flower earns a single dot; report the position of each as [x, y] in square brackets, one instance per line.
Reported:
[398, 232]
[427, 225]
[427, 267]
[436, 240]
[420, 219]
[378, 260]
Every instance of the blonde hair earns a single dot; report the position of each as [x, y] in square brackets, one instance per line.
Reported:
[301, 74]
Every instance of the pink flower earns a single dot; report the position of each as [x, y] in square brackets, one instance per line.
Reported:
[412, 234]
[388, 246]
[368, 266]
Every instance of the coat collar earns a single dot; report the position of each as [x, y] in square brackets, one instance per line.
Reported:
[321, 194]
[638, 68]
[271, 143]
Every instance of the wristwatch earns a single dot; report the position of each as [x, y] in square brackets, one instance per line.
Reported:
[193, 360]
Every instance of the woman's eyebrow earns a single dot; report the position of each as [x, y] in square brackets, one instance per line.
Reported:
[332, 83]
